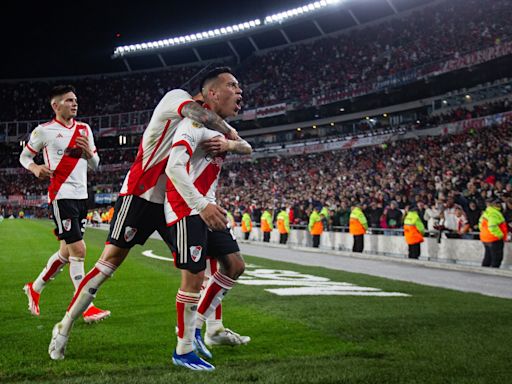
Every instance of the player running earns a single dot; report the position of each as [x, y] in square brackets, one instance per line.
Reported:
[68, 149]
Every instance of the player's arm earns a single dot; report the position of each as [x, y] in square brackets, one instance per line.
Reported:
[89, 152]
[209, 119]
[176, 169]
[220, 144]
[32, 148]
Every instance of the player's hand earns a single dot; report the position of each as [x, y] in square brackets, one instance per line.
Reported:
[232, 134]
[215, 145]
[82, 142]
[214, 217]
[42, 172]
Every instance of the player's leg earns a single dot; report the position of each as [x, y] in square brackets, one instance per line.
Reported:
[216, 333]
[73, 236]
[223, 245]
[69, 218]
[188, 240]
[110, 259]
[53, 267]
[132, 223]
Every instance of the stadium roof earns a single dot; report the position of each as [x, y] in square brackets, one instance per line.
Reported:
[79, 38]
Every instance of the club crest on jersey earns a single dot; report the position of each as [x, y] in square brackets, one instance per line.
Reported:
[195, 252]
[129, 233]
[66, 224]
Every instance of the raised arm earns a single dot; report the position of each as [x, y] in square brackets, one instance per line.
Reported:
[209, 118]
[220, 144]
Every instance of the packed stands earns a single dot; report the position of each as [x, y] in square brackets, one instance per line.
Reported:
[301, 72]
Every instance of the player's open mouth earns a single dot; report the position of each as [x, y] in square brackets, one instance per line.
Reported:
[238, 104]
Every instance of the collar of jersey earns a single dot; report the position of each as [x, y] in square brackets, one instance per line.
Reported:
[64, 125]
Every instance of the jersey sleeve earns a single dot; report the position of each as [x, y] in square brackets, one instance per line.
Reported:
[92, 145]
[171, 104]
[188, 135]
[94, 161]
[36, 141]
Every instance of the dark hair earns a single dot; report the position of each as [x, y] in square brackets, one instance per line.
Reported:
[212, 74]
[61, 90]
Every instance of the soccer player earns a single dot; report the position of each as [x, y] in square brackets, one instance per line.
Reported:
[139, 209]
[193, 177]
[68, 149]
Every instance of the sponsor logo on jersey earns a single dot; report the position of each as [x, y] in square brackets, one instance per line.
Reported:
[188, 138]
[66, 224]
[129, 233]
[195, 252]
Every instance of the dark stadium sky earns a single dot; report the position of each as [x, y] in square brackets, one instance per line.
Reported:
[40, 39]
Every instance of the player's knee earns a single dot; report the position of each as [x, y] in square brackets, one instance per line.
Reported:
[237, 266]
[114, 255]
[77, 249]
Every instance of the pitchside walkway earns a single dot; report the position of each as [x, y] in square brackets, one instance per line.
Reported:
[487, 281]
[491, 282]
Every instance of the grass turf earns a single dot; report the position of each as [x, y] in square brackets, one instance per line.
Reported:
[433, 336]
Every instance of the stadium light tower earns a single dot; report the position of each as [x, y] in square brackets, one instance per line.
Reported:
[186, 39]
[223, 33]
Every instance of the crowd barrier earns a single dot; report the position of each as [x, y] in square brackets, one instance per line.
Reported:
[444, 250]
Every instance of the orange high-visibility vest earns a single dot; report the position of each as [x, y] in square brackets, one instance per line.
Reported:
[355, 227]
[412, 235]
[486, 236]
[317, 228]
[246, 228]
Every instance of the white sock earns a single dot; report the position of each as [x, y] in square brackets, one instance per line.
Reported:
[186, 307]
[218, 286]
[52, 269]
[213, 326]
[86, 293]
[76, 270]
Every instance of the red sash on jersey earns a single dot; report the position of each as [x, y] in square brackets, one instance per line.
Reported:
[65, 166]
[203, 184]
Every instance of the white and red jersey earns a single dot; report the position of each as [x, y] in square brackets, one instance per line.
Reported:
[146, 177]
[58, 143]
[203, 171]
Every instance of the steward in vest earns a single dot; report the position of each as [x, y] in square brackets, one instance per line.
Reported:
[266, 225]
[493, 233]
[357, 227]
[283, 226]
[316, 226]
[413, 232]
[246, 225]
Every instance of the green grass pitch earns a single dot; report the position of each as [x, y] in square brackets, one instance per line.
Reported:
[433, 336]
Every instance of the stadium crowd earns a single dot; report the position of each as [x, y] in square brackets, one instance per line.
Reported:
[447, 177]
[444, 176]
[296, 72]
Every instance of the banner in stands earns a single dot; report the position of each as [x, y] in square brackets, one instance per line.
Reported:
[105, 198]
[428, 70]
[475, 58]
[271, 110]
